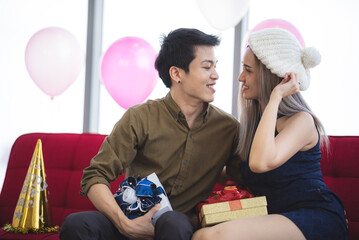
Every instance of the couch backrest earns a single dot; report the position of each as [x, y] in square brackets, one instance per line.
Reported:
[65, 156]
[340, 167]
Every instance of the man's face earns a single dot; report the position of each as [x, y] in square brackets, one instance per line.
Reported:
[198, 83]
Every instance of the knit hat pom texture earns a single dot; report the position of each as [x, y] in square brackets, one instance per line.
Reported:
[310, 57]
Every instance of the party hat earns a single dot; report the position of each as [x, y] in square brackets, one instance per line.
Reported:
[32, 212]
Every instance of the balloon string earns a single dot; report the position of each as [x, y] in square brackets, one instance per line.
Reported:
[54, 109]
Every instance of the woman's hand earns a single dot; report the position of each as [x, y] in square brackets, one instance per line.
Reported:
[288, 86]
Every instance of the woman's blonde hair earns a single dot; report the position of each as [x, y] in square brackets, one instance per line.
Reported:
[250, 109]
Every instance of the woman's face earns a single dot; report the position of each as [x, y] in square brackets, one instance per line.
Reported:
[249, 76]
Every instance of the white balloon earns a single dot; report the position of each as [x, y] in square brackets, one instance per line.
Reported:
[223, 14]
[53, 59]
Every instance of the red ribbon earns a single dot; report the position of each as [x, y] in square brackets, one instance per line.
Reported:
[229, 193]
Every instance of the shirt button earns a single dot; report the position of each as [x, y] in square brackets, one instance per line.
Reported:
[176, 187]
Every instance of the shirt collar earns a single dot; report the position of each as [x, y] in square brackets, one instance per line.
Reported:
[176, 112]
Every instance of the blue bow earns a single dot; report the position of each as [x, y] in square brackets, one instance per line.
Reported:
[147, 196]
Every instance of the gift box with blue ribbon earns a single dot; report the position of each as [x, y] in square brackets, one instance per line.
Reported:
[137, 196]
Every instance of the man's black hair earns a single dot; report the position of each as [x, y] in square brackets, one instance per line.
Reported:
[178, 49]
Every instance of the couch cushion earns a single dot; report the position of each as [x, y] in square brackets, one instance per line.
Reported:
[340, 167]
[40, 236]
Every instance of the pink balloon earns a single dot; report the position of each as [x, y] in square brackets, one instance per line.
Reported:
[53, 59]
[275, 23]
[128, 72]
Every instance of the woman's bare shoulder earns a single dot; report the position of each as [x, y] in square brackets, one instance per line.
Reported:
[302, 119]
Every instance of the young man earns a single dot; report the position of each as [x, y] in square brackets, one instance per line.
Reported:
[181, 137]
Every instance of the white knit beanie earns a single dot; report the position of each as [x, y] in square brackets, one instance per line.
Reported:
[280, 52]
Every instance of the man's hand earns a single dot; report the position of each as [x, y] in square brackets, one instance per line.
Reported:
[141, 227]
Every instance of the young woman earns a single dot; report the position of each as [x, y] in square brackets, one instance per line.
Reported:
[280, 147]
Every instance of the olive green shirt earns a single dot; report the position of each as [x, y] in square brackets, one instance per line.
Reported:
[155, 137]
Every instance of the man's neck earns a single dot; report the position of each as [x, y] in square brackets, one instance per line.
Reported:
[191, 108]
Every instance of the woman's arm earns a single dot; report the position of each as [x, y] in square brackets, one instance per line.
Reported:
[269, 151]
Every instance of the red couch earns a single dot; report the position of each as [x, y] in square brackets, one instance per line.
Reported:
[65, 156]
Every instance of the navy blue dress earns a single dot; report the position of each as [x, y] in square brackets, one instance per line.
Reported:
[297, 190]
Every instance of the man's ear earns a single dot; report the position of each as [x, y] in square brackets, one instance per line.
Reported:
[175, 73]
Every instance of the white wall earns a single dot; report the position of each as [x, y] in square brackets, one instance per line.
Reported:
[24, 107]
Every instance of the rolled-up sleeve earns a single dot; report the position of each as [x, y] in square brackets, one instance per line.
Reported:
[115, 155]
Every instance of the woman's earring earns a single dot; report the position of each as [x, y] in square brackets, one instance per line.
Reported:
[179, 81]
